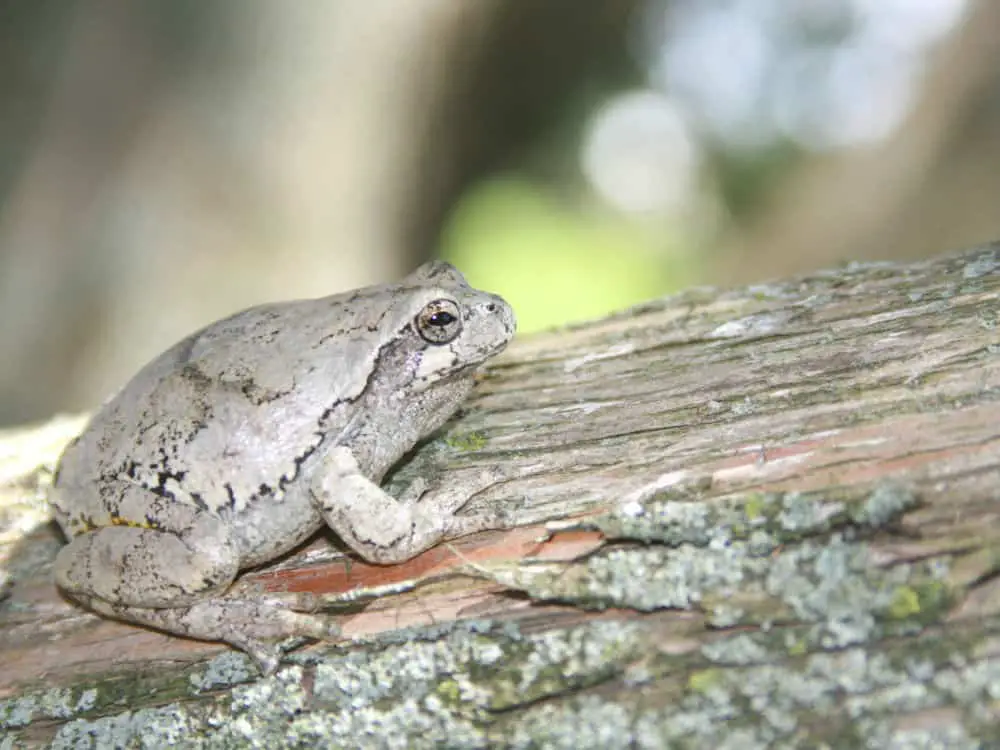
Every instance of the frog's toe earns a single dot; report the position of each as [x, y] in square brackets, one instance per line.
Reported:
[248, 624]
[318, 627]
[266, 655]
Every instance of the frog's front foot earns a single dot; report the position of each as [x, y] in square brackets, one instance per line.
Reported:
[384, 530]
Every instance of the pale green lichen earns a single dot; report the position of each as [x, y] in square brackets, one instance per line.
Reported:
[886, 502]
[846, 699]
[704, 680]
[982, 265]
[735, 561]
[56, 703]
[833, 584]
[227, 669]
[821, 603]
[905, 603]
[164, 727]
[740, 649]
[17, 712]
[423, 693]
[469, 441]
[680, 516]
[803, 514]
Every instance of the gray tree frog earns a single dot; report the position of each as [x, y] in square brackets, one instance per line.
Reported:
[242, 440]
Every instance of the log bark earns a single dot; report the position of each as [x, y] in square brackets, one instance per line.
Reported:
[762, 517]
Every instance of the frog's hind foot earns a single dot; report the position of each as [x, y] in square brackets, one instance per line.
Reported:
[247, 624]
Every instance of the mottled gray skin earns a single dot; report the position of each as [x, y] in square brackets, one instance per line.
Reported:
[242, 440]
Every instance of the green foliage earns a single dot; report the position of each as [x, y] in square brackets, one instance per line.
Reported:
[556, 264]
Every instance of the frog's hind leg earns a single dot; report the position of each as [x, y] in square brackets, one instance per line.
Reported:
[148, 567]
[243, 623]
[172, 581]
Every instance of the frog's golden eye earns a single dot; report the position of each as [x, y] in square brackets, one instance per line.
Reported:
[439, 322]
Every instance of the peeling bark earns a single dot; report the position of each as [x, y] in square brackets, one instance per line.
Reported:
[762, 517]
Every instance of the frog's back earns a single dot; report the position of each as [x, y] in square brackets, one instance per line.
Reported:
[232, 419]
[223, 417]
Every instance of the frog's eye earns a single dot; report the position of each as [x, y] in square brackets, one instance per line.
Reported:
[439, 322]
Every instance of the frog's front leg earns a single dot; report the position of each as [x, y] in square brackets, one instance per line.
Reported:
[383, 529]
[168, 574]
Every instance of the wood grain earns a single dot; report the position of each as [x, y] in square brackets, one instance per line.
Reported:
[836, 382]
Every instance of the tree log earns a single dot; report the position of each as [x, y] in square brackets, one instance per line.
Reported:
[763, 517]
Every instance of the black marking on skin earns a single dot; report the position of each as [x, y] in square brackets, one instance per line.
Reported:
[341, 332]
[131, 470]
[338, 333]
[269, 337]
[259, 396]
[192, 373]
[104, 442]
[286, 480]
[119, 492]
[183, 432]
[146, 423]
[79, 525]
[299, 461]
[125, 564]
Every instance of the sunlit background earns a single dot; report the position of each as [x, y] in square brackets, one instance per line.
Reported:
[164, 163]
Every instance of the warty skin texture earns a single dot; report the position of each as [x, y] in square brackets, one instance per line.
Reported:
[242, 440]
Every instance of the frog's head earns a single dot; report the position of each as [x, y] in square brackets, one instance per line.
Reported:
[447, 328]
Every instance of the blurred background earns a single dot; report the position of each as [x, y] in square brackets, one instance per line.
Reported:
[166, 162]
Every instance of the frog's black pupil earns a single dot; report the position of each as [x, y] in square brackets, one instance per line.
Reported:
[441, 319]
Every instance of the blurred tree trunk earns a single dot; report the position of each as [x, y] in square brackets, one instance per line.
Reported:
[933, 184]
[196, 158]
